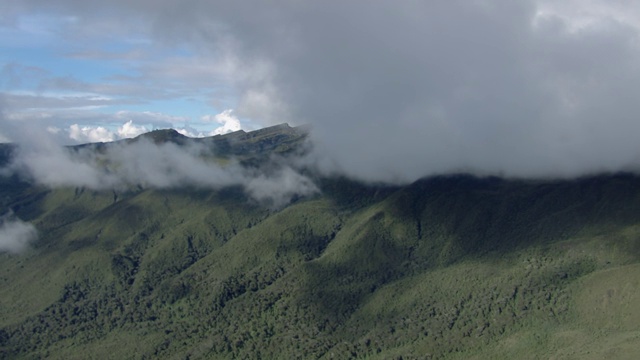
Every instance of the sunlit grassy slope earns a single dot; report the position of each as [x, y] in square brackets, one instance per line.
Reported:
[448, 267]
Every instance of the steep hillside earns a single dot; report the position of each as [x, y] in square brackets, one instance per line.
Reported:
[446, 267]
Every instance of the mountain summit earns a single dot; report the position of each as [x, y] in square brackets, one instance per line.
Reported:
[278, 138]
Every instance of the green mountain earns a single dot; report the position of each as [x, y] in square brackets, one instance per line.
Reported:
[453, 267]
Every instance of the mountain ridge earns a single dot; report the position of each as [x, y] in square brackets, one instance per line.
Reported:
[451, 266]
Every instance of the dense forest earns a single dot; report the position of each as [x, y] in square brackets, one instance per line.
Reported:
[453, 266]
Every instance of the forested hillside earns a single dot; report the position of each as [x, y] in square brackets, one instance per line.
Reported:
[446, 267]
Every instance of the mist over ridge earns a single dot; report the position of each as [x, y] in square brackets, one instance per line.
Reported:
[165, 159]
[460, 179]
[400, 90]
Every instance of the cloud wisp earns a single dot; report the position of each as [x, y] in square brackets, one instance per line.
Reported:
[15, 234]
[144, 164]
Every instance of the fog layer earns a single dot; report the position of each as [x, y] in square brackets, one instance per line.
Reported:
[397, 90]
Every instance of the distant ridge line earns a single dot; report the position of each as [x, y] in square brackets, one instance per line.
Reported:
[173, 134]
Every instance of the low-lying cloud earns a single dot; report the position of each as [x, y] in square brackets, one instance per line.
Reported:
[142, 163]
[15, 234]
[279, 188]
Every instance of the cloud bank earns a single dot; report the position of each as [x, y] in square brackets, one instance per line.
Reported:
[400, 90]
[143, 164]
[15, 234]
[397, 90]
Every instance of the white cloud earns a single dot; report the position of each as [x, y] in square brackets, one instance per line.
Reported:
[190, 132]
[53, 166]
[129, 130]
[53, 130]
[15, 234]
[89, 134]
[278, 189]
[142, 163]
[229, 122]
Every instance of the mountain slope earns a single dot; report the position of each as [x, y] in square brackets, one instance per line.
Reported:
[446, 267]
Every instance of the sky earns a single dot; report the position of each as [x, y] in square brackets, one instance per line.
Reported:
[394, 90]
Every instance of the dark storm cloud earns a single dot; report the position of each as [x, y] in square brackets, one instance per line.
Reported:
[396, 90]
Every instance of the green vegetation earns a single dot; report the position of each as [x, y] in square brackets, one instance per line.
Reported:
[451, 267]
